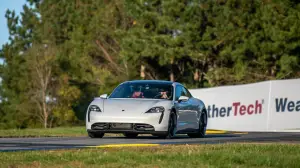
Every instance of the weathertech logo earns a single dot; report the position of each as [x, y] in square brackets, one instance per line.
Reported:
[236, 109]
[283, 104]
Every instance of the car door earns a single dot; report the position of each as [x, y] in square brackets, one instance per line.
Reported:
[185, 120]
[194, 110]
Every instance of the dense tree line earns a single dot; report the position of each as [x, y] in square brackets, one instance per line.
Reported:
[63, 53]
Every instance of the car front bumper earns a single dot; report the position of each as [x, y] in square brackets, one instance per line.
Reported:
[146, 123]
[128, 131]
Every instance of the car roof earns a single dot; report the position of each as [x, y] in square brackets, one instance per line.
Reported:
[152, 81]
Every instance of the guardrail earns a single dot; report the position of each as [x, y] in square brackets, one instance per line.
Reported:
[265, 106]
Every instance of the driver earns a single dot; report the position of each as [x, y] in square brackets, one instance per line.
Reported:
[164, 94]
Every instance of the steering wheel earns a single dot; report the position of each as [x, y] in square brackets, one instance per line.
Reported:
[158, 95]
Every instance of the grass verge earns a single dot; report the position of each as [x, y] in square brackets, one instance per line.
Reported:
[61, 132]
[42, 132]
[221, 155]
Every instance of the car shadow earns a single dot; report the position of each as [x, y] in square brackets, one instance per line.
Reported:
[176, 137]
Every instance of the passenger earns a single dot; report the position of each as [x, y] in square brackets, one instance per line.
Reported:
[137, 94]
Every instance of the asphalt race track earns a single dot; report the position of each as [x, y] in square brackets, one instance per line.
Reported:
[18, 144]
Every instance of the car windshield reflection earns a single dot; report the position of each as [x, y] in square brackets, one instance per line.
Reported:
[143, 90]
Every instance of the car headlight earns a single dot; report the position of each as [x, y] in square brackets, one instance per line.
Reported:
[94, 108]
[156, 110]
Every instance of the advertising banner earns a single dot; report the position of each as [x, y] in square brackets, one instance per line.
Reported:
[285, 105]
[264, 106]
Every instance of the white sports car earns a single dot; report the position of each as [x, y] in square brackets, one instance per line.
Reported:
[157, 107]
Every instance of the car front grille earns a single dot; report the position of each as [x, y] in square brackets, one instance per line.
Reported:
[112, 126]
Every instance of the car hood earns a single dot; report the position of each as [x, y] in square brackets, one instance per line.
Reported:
[128, 107]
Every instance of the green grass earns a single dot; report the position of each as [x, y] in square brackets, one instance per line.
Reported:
[225, 155]
[41, 132]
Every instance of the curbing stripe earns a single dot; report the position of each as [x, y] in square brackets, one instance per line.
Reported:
[223, 132]
[215, 132]
[123, 145]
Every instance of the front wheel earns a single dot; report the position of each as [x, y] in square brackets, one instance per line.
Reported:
[202, 127]
[95, 135]
[171, 127]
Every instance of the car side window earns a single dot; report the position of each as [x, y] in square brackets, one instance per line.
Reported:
[188, 93]
[178, 92]
[181, 91]
[184, 92]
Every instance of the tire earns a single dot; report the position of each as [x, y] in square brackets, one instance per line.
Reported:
[95, 135]
[202, 127]
[130, 135]
[171, 127]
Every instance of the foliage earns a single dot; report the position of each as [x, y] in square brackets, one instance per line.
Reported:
[92, 46]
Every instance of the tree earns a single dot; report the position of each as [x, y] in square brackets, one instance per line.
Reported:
[40, 61]
[156, 34]
[88, 52]
[17, 106]
[252, 41]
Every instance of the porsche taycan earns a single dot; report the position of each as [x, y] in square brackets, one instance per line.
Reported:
[156, 107]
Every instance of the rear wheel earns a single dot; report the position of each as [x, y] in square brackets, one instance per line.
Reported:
[95, 135]
[202, 127]
[130, 135]
[171, 127]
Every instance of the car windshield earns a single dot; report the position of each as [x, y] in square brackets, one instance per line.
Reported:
[143, 90]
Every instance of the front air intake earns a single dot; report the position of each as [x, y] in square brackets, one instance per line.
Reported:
[100, 126]
[143, 127]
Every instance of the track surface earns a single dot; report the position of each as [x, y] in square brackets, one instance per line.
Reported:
[17, 144]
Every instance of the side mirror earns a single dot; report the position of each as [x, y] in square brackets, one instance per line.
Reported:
[104, 96]
[183, 98]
